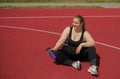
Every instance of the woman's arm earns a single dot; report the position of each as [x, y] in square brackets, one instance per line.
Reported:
[62, 39]
[89, 41]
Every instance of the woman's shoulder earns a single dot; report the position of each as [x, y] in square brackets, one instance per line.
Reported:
[86, 34]
[67, 29]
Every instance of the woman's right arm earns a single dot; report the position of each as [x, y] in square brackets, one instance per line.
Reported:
[62, 39]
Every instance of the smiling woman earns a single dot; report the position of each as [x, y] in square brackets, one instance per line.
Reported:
[26, 33]
[76, 44]
[71, 1]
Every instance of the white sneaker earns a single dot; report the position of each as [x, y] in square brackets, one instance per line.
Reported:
[77, 65]
[93, 70]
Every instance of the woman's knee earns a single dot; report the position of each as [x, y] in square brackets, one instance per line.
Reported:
[92, 49]
[92, 52]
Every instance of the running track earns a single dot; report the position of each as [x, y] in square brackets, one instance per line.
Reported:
[26, 33]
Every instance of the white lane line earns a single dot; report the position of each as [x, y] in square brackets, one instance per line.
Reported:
[44, 31]
[22, 17]
[31, 29]
[108, 45]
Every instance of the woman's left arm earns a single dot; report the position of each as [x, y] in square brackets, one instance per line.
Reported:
[89, 41]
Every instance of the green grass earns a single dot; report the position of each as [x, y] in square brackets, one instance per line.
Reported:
[86, 1]
[54, 7]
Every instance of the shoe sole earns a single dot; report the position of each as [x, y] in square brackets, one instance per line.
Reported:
[92, 72]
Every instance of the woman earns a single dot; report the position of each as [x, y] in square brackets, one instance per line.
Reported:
[76, 44]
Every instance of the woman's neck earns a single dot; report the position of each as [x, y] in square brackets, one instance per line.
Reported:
[77, 29]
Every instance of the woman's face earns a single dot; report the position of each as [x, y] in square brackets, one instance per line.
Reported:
[76, 22]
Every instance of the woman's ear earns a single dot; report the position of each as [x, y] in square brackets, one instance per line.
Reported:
[81, 23]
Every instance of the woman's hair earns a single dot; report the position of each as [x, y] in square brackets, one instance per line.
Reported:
[81, 18]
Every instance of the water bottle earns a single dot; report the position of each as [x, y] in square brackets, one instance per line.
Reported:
[51, 53]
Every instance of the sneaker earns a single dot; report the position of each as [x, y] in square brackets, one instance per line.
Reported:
[93, 70]
[77, 65]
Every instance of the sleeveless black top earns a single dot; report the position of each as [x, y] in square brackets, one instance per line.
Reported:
[70, 42]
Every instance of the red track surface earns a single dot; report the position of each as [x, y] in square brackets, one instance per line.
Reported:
[23, 41]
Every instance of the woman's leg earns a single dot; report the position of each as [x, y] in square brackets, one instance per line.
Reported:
[65, 59]
[92, 57]
[62, 58]
[89, 53]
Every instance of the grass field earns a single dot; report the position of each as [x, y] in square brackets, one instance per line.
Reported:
[57, 1]
[53, 7]
[71, 1]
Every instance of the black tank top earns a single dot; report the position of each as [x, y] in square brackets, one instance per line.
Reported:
[70, 42]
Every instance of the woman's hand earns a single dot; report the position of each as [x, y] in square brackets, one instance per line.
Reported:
[78, 49]
[53, 49]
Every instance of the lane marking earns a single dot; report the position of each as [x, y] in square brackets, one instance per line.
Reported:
[22, 17]
[31, 29]
[49, 32]
[108, 45]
